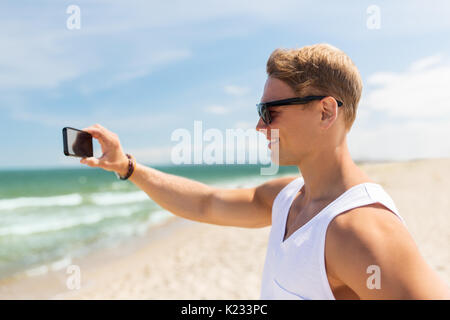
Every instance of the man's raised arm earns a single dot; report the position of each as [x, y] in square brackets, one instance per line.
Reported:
[250, 207]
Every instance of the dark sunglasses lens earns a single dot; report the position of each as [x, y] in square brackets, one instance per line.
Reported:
[265, 115]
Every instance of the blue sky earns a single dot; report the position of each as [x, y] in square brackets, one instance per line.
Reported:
[145, 68]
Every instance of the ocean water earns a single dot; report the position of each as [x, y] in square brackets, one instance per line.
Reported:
[50, 216]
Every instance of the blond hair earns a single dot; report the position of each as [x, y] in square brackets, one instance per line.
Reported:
[319, 69]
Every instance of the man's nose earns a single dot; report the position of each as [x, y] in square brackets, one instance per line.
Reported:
[261, 125]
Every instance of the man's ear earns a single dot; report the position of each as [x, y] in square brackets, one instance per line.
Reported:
[329, 112]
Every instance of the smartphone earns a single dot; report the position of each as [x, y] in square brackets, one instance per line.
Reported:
[77, 143]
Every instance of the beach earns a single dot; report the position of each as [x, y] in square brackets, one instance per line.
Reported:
[181, 259]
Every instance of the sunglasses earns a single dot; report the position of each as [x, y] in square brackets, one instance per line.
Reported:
[265, 114]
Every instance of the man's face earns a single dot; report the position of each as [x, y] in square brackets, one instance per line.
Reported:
[298, 125]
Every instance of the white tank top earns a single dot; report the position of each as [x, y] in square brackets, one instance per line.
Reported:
[295, 268]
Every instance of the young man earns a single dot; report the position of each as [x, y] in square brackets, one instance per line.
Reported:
[335, 233]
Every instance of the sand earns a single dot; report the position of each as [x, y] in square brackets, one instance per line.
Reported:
[189, 260]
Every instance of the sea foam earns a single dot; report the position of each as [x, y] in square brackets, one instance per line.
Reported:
[64, 200]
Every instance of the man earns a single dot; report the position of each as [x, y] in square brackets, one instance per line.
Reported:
[335, 233]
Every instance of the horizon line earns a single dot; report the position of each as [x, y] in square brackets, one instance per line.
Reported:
[169, 164]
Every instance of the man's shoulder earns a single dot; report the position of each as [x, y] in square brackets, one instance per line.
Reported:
[270, 189]
[365, 233]
[370, 242]
[363, 223]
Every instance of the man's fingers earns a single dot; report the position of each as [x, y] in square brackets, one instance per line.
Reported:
[93, 131]
[102, 134]
[96, 133]
[91, 161]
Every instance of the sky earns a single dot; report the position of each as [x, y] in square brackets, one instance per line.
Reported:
[144, 69]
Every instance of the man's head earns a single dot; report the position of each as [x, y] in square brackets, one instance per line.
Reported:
[307, 129]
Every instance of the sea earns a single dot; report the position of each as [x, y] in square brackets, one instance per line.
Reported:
[50, 216]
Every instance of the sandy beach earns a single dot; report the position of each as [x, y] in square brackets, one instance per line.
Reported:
[189, 260]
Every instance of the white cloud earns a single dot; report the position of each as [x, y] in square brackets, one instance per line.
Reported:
[399, 17]
[236, 90]
[406, 115]
[116, 38]
[137, 68]
[29, 60]
[425, 63]
[414, 17]
[422, 91]
[49, 58]
[237, 145]
[129, 123]
[216, 109]
[45, 119]
[245, 125]
[152, 155]
[117, 41]
[400, 142]
[42, 53]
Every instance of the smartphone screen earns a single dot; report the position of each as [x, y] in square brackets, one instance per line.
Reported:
[77, 143]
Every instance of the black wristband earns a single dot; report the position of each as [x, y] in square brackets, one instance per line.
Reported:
[130, 168]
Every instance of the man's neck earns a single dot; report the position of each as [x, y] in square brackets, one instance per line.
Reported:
[328, 174]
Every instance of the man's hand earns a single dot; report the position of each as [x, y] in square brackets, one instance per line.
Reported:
[113, 158]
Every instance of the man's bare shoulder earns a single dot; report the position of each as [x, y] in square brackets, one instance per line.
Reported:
[367, 229]
[374, 237]
[367, 220]
[268, 191]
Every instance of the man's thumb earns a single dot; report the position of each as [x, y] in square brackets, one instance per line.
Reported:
[91, 161]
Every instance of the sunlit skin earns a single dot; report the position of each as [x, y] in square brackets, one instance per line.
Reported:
[313, 138]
